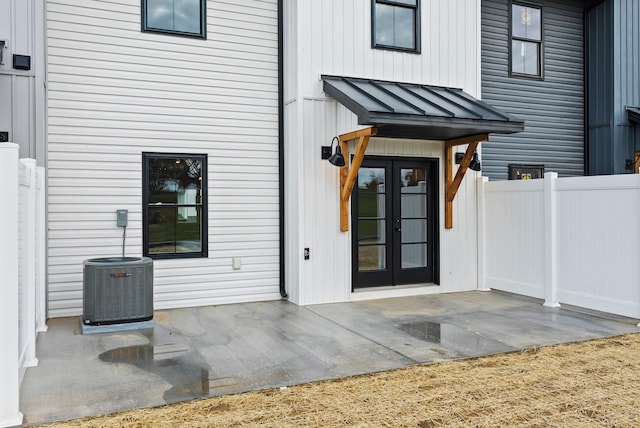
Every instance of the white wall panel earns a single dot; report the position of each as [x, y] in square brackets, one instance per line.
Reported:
[334, 37]
[325, 277]
[115, 92]
[514, 234]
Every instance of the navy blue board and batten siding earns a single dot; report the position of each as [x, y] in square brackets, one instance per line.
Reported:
[600, 56]
[552, 107]
[613, 67]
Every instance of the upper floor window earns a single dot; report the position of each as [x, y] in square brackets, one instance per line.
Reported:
[396, 25]
[526, 40]
[174, 198]
[182, 17]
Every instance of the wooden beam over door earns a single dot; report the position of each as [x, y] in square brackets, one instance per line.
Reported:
[349, 172]
[453, 184]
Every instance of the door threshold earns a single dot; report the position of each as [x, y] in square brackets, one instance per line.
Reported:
[372, 293]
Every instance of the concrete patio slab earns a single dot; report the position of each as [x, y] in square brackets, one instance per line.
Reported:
[211, 351]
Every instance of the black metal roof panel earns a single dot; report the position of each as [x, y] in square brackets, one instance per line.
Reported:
[633, 113]
[407, 110]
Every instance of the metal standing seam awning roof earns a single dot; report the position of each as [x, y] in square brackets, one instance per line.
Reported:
[633, 114]
[406, 110]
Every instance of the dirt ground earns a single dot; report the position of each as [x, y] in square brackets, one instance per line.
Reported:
[586, 384]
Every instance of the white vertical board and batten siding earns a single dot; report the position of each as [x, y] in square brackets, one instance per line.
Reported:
[333, 37]
[116, 92]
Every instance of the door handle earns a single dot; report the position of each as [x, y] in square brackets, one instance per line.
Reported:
[397, 227]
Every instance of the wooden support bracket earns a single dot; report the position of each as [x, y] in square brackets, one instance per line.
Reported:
[349, 174]
[453, 184]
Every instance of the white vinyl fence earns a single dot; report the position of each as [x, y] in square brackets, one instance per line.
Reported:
[22, 274]
[565, 240]
[31, 245]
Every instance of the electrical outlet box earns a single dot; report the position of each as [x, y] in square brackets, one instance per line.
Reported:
[307, 254]
[4, 137]
[122, 217]
[21, 62]
[236, 263]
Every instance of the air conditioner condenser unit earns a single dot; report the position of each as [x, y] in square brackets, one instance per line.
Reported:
[117, 290]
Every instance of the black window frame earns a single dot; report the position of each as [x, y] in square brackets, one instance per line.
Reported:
[416, 29]
[519, 171]
[204, 235]
[539, 42]
[203, 23]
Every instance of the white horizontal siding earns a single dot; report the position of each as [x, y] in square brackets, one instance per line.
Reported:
[115, 92]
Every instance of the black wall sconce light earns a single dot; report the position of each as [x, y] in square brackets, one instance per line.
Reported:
[475, 163]
[336, 158]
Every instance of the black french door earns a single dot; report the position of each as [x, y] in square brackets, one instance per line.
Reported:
[394, 221]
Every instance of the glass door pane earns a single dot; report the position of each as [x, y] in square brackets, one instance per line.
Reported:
[413, 215]
[371, 221]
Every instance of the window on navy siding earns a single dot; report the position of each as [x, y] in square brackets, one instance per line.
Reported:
[174, 220]
[396, 25]
[182, 17]
[526, 40]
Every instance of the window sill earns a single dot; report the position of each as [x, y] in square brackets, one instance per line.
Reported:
[395, 49]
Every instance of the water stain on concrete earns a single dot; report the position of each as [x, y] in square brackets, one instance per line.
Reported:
[174, 362]
[453, 338]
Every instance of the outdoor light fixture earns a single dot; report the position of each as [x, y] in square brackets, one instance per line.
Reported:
[336, 159]
[475, 163]
[21, 62]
